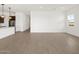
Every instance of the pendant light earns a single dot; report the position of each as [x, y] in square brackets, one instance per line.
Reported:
[2, 11]
[10, 13]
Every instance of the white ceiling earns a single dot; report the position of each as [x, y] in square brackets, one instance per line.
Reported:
[29, 7]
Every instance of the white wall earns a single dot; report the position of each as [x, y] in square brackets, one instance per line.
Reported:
[47, 21]
[75, 29]
[27, 22]
[22, 21]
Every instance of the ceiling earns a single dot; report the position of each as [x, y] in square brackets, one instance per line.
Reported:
[29, 7]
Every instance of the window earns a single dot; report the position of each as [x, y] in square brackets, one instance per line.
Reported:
[71, 18]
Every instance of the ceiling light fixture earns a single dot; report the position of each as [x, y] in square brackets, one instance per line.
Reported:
[10, 13]
[2, 11]
[2, 16]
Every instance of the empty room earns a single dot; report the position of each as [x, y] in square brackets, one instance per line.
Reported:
[39, 28]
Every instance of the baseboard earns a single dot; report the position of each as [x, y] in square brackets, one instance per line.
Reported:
[47, 32]
[72, 35]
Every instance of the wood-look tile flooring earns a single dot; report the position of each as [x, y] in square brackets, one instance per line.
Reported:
[39, 43]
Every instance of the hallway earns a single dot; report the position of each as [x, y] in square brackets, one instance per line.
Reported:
[39, 43]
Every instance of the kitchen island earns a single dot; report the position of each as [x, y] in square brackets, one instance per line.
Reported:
[6, 31]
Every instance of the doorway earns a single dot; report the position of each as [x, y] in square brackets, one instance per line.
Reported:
[28, 22]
